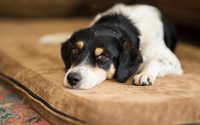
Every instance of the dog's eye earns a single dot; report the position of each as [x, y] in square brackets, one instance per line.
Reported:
[75, 51]
[102, 58]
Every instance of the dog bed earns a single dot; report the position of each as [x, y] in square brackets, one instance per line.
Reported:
[37, 71]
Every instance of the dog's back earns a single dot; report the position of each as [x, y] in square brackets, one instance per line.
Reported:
[150, 21]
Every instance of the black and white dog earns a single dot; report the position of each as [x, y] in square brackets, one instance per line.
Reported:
[124, 41]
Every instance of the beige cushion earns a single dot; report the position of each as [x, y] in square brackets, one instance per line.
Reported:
[38, 71]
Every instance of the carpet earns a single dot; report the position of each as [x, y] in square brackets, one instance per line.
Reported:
[14, 110]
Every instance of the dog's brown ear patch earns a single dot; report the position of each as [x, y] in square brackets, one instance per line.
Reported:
[80, 44]
[98, 51]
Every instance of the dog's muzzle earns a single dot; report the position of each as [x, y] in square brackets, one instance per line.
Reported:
[84, 77]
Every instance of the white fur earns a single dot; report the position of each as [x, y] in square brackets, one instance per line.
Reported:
[57, 38]
[158, 59]
[90, 76]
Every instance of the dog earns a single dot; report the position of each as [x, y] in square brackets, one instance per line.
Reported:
[124, 41]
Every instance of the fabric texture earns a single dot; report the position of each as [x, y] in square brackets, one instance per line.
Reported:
[38, 71]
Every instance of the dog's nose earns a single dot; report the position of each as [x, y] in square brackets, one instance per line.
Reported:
[73, 78]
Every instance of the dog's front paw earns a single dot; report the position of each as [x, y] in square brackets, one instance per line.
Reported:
[143, 79]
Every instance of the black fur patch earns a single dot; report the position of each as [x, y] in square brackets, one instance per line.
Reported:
[170, 32]
[117, 35]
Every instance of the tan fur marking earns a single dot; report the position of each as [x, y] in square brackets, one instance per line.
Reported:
[80, 44]
[110, 73]
[98, 51]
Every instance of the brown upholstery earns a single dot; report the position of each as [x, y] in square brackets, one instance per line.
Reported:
[37, 71]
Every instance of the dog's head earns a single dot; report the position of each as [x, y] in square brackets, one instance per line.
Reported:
[94, 54]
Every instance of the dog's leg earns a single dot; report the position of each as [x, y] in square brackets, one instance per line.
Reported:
[57, 38]
[162, 64]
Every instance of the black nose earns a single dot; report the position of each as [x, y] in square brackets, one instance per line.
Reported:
[73, 78]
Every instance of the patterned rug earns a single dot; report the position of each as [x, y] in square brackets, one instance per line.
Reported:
[13, 109]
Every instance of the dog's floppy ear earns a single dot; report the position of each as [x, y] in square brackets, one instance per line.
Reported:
[66, 53]
[129, 61]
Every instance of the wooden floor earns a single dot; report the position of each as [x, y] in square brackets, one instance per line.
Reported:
[39, 69]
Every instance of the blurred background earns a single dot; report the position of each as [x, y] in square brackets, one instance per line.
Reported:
[185, 13]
